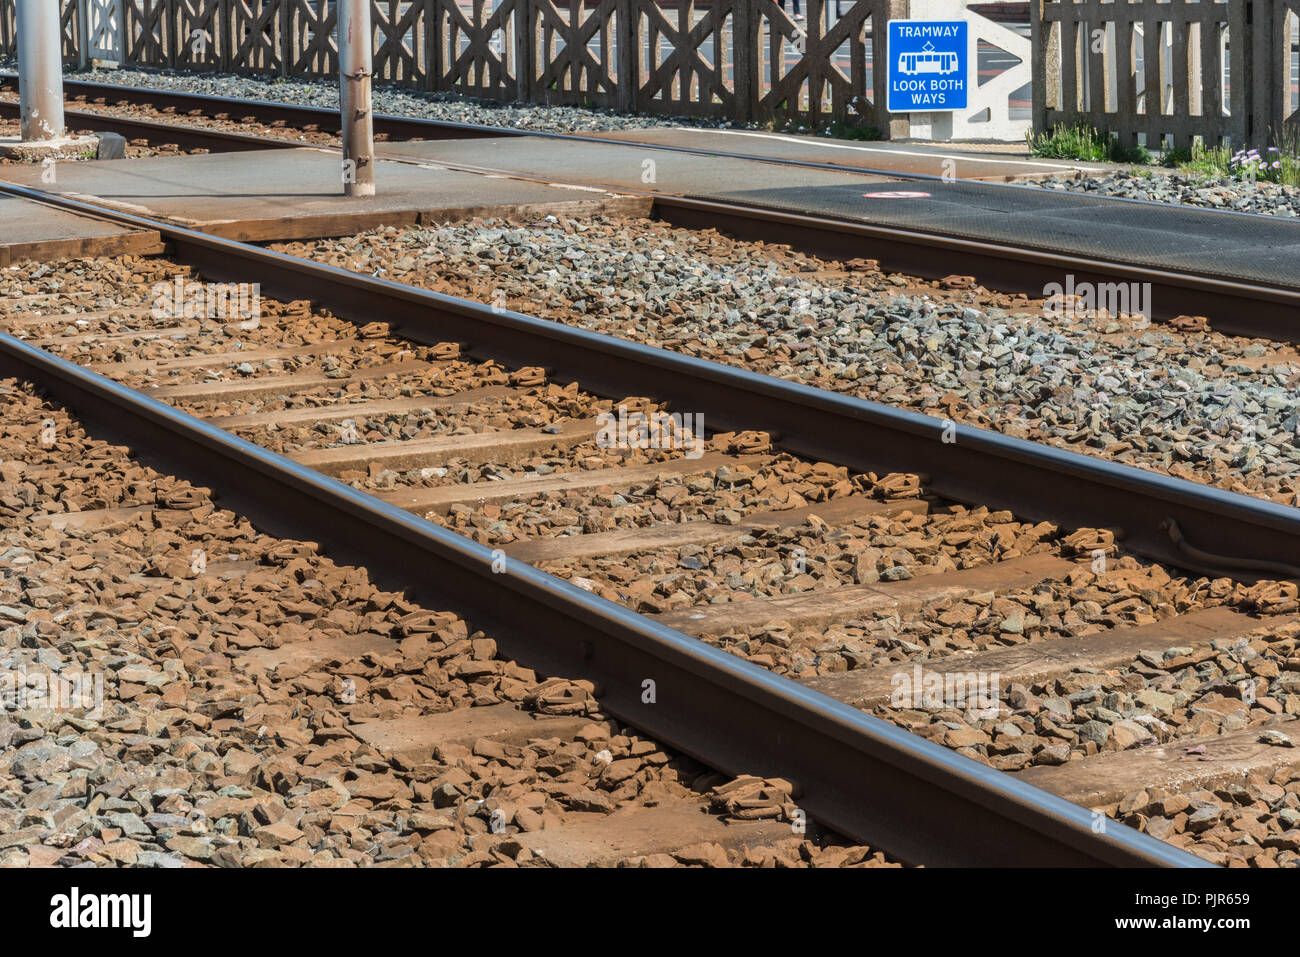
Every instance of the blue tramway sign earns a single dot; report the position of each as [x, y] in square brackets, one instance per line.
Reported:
[929, 65]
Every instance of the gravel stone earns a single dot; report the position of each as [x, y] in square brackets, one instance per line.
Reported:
[1171, 397]
[393, 100]
[1163, 186]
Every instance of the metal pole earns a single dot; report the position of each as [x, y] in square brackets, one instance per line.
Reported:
[40, 70]
[354, 97]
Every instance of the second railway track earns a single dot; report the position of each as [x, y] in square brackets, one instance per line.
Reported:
[261, 705]
[488, 422]
[1251, 306]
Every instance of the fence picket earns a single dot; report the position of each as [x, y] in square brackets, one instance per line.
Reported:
[1181, 95]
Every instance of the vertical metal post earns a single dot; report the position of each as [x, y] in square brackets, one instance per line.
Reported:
[82, 20]
[354, 40]
[40, 70]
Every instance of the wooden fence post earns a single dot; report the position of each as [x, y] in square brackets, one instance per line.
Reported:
[524, 43]
[168, 31]
[1256, 44]
[70, 42]
[1266, 23]
[432, 58]
[896, 126]
[627, 66]
[286, 35]
[1241, 72]
[1039, 33]
[744, 58]
[575, 66]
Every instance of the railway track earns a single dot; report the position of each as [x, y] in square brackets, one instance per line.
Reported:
[327, 722]
[472, 417]
[949, 348]
[1235, 306]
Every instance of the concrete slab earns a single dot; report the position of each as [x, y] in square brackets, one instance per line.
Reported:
[62, 147]
[1008, 165]
[30, 230]
[619, 166]
[285, 194]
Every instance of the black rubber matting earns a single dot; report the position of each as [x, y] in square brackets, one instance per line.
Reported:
[1262, 249]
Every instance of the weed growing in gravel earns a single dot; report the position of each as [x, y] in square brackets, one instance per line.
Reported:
[844, 130]
[1138, 155]
[1199, 160]
[1082, 142]
[1249, 164]
[1078, 142]
[840, 128]
[1279, 163]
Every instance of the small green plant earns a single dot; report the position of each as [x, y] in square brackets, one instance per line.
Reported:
[1287, 142]
[1249, 164]
[1210, 162]
[844, 129]
[1082, 142]
[1279, 163]
[782, 122]
[839, 127]
[1069, 142]
[1134, 155]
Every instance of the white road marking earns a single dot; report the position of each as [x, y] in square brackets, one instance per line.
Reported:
[896, 152]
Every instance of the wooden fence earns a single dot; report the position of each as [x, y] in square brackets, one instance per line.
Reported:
[8, 29]
[1153, 71]
[746, 60]
[1165, 72]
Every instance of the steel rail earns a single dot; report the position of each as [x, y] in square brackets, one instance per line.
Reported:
[961, 462]
[1238, 307]
[325, 119]
[186, 136]
[855, 773]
